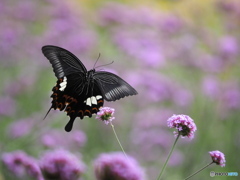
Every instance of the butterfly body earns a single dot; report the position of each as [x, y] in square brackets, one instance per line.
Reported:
[80, 92]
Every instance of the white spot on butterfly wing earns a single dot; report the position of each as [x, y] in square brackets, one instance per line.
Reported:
[94, 100]
[63, 84]
[88, 102]
[98, 97]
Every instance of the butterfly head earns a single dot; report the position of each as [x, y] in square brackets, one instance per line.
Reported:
[90, 73]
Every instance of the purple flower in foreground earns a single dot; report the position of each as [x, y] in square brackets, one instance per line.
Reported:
[61, 164]
[117, 166]
[14, 162]
[218, 158]
[32, 168]
[184, 124]
[106, 114]
[19, 163]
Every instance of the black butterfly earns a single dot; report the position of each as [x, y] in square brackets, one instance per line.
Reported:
[80, 92]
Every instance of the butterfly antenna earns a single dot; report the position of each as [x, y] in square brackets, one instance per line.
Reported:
[100, 65]
[47, 113]
[105, 64]
[96, 60]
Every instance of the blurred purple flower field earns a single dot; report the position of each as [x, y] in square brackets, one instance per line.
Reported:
[180, 60]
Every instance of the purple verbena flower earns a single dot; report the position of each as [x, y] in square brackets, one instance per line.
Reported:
[106, 114]
[25, 10]
[170, 24]
[32, 168]
[231, 95]
[19, 163]
[78, 138]
[218, 158]
[142, 45]
[117, 166]
[211, 87]
[14, 162]
[114, 13]
[26, 127]
[184, 124]
[61, 164]
[229, 45]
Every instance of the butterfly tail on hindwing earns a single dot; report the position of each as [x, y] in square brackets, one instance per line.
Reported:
[69, 125]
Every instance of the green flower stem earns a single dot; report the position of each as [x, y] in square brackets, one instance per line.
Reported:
[198, 171]
[118, 139]
[169, 155]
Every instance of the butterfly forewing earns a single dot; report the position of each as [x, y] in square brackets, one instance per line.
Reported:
[112, 86]
[63, 61]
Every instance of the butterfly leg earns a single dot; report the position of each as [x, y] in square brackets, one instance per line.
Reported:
[47, 113]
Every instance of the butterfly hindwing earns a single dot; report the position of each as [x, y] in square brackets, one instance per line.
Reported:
[76, 105]
[112, 86]
[63, 61]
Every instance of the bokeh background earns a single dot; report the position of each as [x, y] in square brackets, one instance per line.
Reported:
[182, 56]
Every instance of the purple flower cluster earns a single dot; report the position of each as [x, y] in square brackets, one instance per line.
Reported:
[148, 45]
[113, 13]
[228, 46]
[227, 92]
[106, 114]
[21, 84]
[61, 164]
[143, 46]
[56, 19]
[67, 22]
[19, 163]
[218, 158]
[184, 124]
[159, 88]
[58, 164]
[26, 126]
[117, 166]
